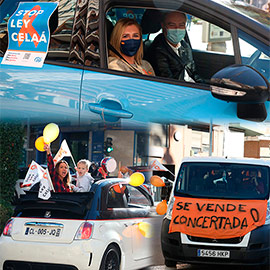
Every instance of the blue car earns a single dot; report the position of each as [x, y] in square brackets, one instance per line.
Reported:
[230, 47]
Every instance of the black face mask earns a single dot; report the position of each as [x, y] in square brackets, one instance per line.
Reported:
[130, 47]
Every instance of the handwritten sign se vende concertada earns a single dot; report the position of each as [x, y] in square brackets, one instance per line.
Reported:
[214, 218]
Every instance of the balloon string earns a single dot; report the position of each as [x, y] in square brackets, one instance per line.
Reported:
[73, 161]
[102, 115]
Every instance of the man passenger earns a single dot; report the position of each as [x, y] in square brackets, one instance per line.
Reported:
[169, 54]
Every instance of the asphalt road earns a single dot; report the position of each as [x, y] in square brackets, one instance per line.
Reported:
[158, 262]
[202, 267]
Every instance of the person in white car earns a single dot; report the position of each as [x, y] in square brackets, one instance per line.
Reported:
[84, 179]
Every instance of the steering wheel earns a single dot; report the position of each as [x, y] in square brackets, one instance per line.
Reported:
[254, 57]
[262, 70]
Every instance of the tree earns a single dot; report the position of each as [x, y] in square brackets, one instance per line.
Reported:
[11, 146]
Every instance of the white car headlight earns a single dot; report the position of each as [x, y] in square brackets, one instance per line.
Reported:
[267, 220]
[170, 208]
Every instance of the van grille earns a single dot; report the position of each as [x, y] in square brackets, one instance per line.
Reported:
[235, 240]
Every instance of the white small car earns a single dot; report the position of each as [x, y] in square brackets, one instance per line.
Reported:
[106, 228]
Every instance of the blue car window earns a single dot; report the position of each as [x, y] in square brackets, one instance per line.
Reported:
[254, 53]
[116, 14]
[117, 196]
[136, 198]
[207, 37]
[60, 38]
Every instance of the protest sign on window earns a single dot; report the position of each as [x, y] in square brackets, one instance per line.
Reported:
[29, 34]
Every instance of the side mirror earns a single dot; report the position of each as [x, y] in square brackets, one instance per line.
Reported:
[239, 83]
[244, 85]
[252, 112]
[165, 184]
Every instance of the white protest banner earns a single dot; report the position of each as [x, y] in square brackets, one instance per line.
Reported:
[45, 187]
[63, 152]
[155, 165]
[34, 174]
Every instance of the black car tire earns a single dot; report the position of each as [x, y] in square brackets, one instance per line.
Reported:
[110, 259]
[170, 263]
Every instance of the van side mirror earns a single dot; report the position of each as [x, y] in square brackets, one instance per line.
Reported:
[244, 85]
[166, 190]
[164, 183]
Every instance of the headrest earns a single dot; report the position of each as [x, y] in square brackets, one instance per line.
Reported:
[151, 21]
[53, 22]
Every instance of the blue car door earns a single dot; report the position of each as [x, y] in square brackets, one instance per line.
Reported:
[116, 96]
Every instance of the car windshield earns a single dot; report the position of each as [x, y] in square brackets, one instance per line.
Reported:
[223, 180]
[247, 10]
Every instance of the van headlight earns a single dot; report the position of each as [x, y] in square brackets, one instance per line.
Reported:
[267, 220]
[170, 208]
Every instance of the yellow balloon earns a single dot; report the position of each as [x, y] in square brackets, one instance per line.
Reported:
[39, 144]
[156, 181]
[50, 132]
[161, 208]
[136, 179]
[145, 229]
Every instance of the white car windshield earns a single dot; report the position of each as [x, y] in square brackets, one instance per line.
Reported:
[223, 180]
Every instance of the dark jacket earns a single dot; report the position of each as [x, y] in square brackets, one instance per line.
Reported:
[167, 63]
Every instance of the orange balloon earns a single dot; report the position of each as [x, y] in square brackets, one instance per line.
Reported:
[119, 188]
[39, 144]
[157, 181]
[161, 208]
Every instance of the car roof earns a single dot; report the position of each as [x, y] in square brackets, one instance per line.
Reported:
[250, 161]
[109, 181]
[106, 183]
[222, 12]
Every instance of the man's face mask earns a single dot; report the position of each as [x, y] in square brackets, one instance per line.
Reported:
[175, 35]
[129, 47]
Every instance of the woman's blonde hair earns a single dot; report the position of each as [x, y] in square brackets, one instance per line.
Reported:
[116, 37]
